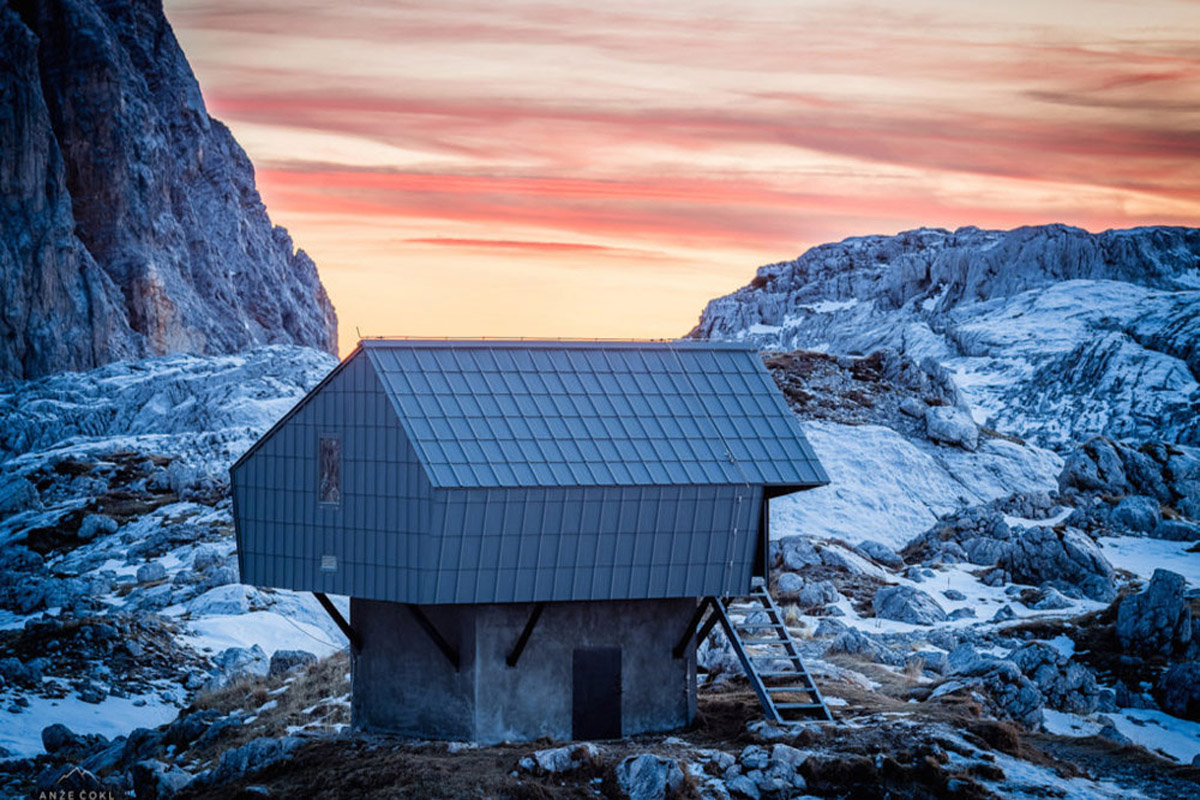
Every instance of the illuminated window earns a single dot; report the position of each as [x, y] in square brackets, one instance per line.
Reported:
[330, 487]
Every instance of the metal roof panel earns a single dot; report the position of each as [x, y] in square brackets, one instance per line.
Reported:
[552, 413]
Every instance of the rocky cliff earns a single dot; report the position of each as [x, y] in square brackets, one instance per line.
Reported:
[1052, 333]
[129, 220]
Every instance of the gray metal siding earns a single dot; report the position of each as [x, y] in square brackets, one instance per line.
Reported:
[592, 543]
[374, 532]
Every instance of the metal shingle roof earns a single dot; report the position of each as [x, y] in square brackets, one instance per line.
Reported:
[558, 413]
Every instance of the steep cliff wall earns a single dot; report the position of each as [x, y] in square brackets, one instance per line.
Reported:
[130, 224]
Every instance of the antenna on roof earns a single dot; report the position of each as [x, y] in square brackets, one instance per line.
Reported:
[356, 330]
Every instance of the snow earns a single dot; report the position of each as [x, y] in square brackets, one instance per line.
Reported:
[760, 329]
[270, 630]
[930, 303]
[888, 488]
[829, 306]
[1159, 732]
[1048, 522]
[1060, 723]
[1024, 780]
[116, 716]
[1142, 556]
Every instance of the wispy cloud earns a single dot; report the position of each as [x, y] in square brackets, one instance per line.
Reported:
[696, 132]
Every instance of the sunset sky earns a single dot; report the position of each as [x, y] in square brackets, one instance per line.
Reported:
[604, 169]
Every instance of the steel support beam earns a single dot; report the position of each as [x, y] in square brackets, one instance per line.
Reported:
[690, 631]
[523, 639]
[434, 635]
[331, 610]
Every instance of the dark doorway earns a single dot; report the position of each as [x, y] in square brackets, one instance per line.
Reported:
[596, 701]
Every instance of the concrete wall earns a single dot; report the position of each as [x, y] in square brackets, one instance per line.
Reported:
[403, 683]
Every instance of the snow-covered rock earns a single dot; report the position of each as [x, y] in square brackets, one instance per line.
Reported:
[1052, 333]
[952, 426]
[889, 488]
[203, 411]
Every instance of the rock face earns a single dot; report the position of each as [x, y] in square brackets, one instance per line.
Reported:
[130, 224]
[1159, 619]
[1064, 333]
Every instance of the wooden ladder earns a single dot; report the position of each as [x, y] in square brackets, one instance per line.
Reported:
[770, 659]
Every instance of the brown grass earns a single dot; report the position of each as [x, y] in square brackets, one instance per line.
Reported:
[319, 685]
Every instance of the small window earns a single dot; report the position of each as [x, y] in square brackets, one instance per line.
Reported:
[330, 487]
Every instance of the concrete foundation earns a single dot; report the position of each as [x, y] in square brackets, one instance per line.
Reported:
[402, 682]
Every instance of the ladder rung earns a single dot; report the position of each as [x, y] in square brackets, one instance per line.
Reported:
[782, 653]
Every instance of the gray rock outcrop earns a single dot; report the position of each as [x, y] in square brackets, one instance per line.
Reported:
[951, 425]
[131, 225]
[1179, 690]
[1158, 619]
[1124, 366]
[648, 777]
[1065, 685]
[906, 604]
[1040, 555]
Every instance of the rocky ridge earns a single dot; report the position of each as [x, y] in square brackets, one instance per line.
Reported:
[130, 224]
[1053, 334]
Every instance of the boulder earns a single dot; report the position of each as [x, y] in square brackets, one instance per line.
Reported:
[797, 552]
[1096, 466]
[252, 757]
[789, 584]
[880, 553]
[154, 571]
[154, 780]
[648, 777]
[906, 604]
[1065, 685]
[142, 744]
[817, 593]
[1176, 530]
[233, 598]
[1049, 599]
[1004, 614]
[205, 559]
[1013, 695]
[59, 738]
[1136, 514]
[1158, 619]
[1179, 690]
[17, 495]
[856, 643]
[555, 760]
[1042, 554]
[913, 407]
[283, 661]
[234, 662]
[95, 524]
[952, 425]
